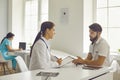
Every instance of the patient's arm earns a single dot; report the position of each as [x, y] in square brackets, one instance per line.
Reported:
[97, 62]
[89, 60]
[89, 56]
[79, 60]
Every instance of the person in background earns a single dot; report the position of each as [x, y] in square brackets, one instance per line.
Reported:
[6, 46]
[99, 49]
[40, 55]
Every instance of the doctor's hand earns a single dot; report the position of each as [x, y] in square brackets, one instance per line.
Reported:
[59, 61]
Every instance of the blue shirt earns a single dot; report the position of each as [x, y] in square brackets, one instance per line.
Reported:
[3, 46]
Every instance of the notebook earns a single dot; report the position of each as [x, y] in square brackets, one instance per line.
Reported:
[22, 45]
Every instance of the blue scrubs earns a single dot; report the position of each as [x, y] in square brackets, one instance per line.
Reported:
[4, 51]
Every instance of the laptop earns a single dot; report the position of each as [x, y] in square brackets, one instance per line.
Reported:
[22, 45]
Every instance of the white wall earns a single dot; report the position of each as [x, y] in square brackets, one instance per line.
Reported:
[3, 18]
[16, 20]
[69, 36]
[88, 20]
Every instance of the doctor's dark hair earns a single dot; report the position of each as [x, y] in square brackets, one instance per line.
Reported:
[96, 27]
[44, 26]
[9, 35]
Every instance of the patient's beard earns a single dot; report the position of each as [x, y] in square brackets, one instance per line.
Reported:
[94, 39]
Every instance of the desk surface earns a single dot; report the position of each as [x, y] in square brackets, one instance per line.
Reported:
[64, 74]
[23, 51]
[69, 73]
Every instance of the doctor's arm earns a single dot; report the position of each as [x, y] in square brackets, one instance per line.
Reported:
[39, 55]
[58, 60]
[43, 57]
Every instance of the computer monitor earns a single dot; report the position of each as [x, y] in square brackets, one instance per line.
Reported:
[22, 45]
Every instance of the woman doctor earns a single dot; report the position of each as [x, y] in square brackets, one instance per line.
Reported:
[40, 50]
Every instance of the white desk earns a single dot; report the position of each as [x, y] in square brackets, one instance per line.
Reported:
[64, 74]
[69, 73]
[24, 54]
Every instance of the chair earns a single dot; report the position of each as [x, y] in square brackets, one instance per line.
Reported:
[4, 65]
[115, 69]
[21, 64]
[114, 66]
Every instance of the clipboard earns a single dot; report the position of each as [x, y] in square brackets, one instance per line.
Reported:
[66, 60]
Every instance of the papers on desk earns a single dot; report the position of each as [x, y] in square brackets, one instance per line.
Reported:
[47, 75]
[66, 61]
[91, 67]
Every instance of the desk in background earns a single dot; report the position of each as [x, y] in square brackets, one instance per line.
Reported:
[24, 54]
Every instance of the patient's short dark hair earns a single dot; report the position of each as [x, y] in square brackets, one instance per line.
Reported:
[96, 27]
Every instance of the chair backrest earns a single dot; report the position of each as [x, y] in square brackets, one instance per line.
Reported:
[114, 66]
[21, 64]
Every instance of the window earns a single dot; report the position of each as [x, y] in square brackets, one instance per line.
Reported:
[31, 20]
[108, 15]
[35, 13]
[44, 10]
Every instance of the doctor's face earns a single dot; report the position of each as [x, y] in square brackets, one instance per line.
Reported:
[51, 32]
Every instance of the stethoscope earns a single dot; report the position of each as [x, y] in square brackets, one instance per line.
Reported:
[44, 42]
[46, 46]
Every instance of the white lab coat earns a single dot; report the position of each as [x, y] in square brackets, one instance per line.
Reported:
[41, 57]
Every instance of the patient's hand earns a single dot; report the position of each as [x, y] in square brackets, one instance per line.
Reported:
[79, 60]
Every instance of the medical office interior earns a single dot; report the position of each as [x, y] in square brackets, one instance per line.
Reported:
[72, 19]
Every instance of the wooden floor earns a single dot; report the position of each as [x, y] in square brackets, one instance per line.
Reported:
[8, 73]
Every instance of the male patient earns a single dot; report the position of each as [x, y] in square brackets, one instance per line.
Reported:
[99, 49]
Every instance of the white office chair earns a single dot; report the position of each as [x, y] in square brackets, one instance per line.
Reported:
[115, 69]
[21, 64]
[114, 66]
